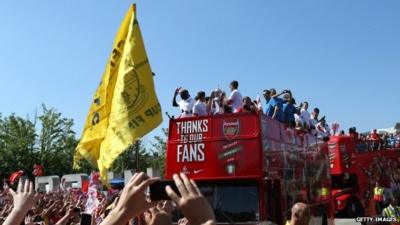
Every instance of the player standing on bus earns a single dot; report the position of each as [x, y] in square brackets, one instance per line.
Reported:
[235, 99]
[185, 104]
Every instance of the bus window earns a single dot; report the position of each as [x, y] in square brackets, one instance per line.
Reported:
[232, 201]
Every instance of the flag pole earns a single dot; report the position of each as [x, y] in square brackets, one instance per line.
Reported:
[137, 145]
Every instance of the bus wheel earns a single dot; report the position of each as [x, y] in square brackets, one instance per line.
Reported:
[354, 208]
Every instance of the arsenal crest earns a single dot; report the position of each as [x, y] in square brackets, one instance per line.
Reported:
[230, 128]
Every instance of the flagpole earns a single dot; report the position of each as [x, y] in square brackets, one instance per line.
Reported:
[137, 144]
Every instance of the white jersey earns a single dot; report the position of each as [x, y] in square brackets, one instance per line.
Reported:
[186, 107]
[298, 119]
[313, 121]
[305, 115]
[237, 100]
[200, 109]
[323, 130]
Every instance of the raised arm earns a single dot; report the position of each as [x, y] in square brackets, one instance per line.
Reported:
[132, 202]
[193, 204]
[68, 215]
[24, 199]
[276, 110]
[174, 103]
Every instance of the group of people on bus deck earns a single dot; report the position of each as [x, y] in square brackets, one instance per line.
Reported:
[278, 106]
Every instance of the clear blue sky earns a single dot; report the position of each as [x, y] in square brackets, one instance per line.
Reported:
[342, 56]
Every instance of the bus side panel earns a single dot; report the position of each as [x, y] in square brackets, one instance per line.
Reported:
[228, 147]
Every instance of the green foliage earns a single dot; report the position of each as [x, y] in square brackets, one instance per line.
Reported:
[49, 140]
[148, 157]
[17, 145]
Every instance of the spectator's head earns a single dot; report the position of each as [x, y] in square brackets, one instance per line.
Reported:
[267, 94]
[184, 94]
[234, 85]
[247, 101]
[341, 133]
[201, 95]
[300, 214]
[287, 98]
[374, 131]
[305, 105]
[315, 112]
[351, 130]
[273, 91]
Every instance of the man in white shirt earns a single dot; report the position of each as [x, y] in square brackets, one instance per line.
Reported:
[235, 99]
[305, 115]
[185, 104]
[314, 117]
[298, 120]
[323, 129]
[200, 108]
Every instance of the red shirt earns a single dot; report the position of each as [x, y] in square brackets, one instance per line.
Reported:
[375, 136]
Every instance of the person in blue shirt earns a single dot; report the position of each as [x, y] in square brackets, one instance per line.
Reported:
[289, 110]
[269, 108]
[274, 104]
[391, 141]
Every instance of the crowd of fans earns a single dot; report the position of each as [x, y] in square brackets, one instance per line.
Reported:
[279, 106]
[25, 206]
[375, 141]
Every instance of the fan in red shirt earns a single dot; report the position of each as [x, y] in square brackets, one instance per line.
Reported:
[374, 135]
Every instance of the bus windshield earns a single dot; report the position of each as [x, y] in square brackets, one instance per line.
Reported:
[232, 200]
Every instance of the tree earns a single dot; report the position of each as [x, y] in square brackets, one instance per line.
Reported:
[159, 148]
[56, 142]
[148, 157]
[49, 140]
[17, 145]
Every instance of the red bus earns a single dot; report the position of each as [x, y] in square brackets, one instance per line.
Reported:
[356, 168]
[250, 167]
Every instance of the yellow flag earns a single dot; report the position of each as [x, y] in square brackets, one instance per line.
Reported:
[125, 106]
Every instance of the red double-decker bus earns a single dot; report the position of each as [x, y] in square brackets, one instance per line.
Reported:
[250, 167]
[357, 167]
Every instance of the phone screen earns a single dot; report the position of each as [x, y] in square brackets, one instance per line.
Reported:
[157, 190]
[86, 219]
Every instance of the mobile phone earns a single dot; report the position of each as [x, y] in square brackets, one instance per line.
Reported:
[77, 210]
[86, 219]
[157, 190]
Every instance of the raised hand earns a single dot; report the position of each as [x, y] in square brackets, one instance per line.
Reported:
[132, 201]
[25, 196]
[24, 199]
[29, 220]
[193, 204]
[183, 221]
